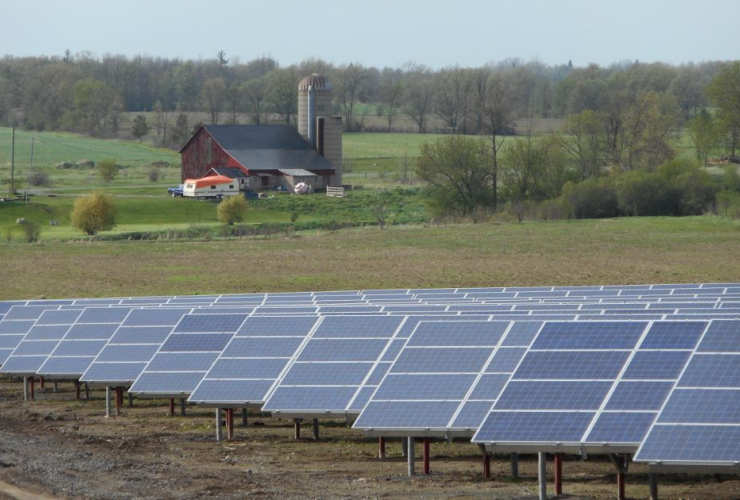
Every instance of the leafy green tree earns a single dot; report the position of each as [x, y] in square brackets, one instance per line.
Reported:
[232, 210]
[213, 94]
[731, 178]
[704, 134]
[724, 91]
[584, 141]
[457, 172]
[94, 213]
[107, 169]
[140, 128]
[534, 169]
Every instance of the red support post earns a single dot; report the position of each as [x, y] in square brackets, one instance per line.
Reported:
[119, 400]
[558, 473]
[229, 423]
[172, 407]
[426, 456]
[41, 382]
[381, 447]
[32, 391]
[77, 390]
[486, 465]
[297, 426]
[620, 485]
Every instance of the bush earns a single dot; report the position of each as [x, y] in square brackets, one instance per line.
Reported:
[693, 192]
[232, 210]
[728, 204]
[94, 213]
[108, 170]
[645, 193]
[154, 174]
[592, 199]
[38, 177]
[31, 231]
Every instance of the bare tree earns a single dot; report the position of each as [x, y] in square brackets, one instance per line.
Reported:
[391, 93]
[419, 96]
[161, 121]
[254, 92]
[214, 90]
[282, 93]
[347, 84]
[498, 118]
[234, 98]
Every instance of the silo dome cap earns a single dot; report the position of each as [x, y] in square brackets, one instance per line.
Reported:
[316, 81]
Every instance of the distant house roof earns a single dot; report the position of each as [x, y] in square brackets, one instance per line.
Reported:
[271, 147]
[233, 173]
[296, 172]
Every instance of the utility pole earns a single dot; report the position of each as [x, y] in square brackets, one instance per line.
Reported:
[32, 140]
[12, 165]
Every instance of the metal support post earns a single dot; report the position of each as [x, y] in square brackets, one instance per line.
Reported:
[425, 455]
[621, 463]
[130, 400]
[25, 389]
[620, 485]
[653, 487]
[542, 475]
[54, 386]
[297, 428]
[558, 473]
[77, 390]
[33, 395]
[514, 458]
[486, 465]
[315, 429]
[87, 391]
[410, 455]
[244, 417]
[219, 431]
[404, 447]
[41, 382]
[381, 447]
[119, 398]
[229, 424]
[182, 407]
[172, 407]
[107, 401]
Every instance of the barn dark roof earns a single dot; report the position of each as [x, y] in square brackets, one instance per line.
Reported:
[268, 147]
[233, 173]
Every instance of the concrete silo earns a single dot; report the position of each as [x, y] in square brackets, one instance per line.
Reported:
[317, 124]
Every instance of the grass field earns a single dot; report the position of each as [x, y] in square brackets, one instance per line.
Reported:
[624, 251]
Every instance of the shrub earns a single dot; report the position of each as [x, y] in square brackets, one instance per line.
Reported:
[108, 170]
[31, 231]
[644, 193]
[592, 199]
[232, 210]
[94, 213]
[693, 192]
[154, 174]
[38, 177]
[728, 204]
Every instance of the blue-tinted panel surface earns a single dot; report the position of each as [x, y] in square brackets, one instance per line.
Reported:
[99, 331]
[702, 406]
[522, 333]
[155, 317]
[309, 398]
[327, 374]
[533, 427]
[358, 326]
[620, 428]
[261, 347]
[639, 395]
[15, 326]
[393, 349]
[65, 366]
[247, 368]
[343, 350]
[656, 365]
[592, 335]
[691, 443]
[362, 398]
[471, 415]
[10, 341]
[141, 335]
[118, 372]
[5, 306]
[205, 323]
[26, 312]
[706, 370]
[424, 387]
[238, 391]
[64, 317]
[126, 353]
[571, 365]
[505, 360]
[104, 315]
[378, 373]
[406, 414]
[489, 387]
[39, 348]
[166, 383]
[52, 332]
[553, 395]
[674, 335]
[458, 334]
[722, 336]
[196, 342]
[300, 325]
[23, 364]
[441, 360]
[79, 348]
[173, 362]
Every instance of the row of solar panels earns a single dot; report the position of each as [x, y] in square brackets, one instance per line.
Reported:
[314, 353]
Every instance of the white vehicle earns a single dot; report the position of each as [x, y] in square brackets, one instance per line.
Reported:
[215, 186]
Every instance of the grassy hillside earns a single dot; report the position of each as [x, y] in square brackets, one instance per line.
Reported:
[629, 250]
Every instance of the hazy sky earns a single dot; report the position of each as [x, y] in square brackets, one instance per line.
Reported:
[379, 32]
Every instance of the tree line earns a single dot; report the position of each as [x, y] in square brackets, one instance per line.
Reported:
[88, 94]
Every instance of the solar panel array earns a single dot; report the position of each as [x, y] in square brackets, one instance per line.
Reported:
[548, 368]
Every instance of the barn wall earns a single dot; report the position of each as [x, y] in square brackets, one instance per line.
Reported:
[201, 155]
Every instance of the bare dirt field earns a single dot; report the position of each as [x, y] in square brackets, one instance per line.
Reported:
[56, 447]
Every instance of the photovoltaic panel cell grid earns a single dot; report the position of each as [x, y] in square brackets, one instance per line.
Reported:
[446, 377]
[700, 421]
[253, 360]
[591, 384]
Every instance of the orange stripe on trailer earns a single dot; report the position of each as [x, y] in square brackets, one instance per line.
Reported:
[210, 181]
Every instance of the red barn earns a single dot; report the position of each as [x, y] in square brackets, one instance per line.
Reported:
[265, 157]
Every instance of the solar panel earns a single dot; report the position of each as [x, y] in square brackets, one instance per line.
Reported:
[601, 394]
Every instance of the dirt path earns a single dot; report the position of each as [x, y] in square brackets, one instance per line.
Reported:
[11, 491]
